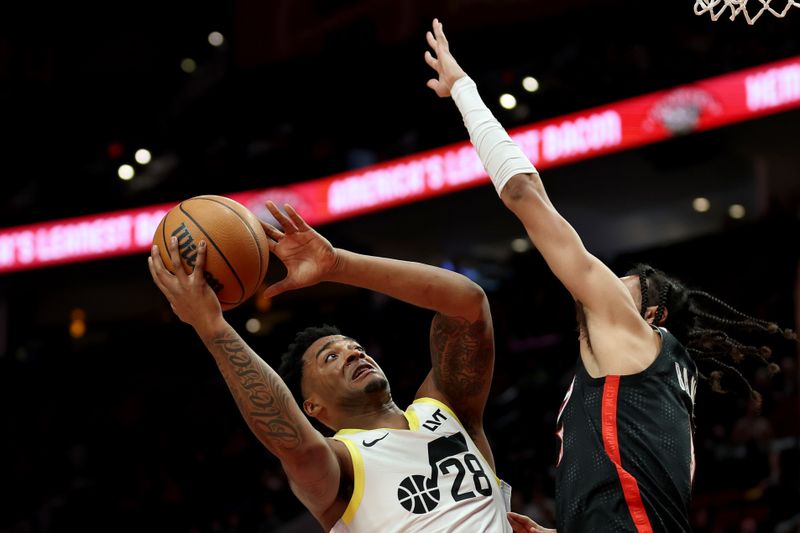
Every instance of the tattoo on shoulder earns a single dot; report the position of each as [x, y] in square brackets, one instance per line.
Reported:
[462, 354]
[262, 397]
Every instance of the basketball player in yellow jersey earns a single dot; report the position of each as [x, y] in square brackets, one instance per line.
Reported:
[428, 468]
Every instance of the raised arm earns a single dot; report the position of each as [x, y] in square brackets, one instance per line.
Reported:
[461, 335]
[590, 282]
[462, 342]
[263, 399]
[587, 278]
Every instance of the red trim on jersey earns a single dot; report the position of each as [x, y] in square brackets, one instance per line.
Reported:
[630, 488]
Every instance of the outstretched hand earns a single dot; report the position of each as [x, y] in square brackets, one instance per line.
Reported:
[444, 63]
[308, 256]
[189, 295]
[522, 524]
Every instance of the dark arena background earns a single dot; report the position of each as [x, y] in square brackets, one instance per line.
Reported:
[113, 416]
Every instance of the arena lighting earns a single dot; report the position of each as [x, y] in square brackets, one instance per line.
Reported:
[520, 245]
[115, 150]
[125, 172]
[77, 323]
[530, 84]
[736, 211]
[215, 38]
[188, 65]
[701, 205]
[142, 156]
[253, 325]
[507, 101]
[703, 105]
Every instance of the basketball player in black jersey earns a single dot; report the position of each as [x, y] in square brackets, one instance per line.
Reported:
[626, 461]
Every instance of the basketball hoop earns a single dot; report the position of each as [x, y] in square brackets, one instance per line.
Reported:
[717, 7]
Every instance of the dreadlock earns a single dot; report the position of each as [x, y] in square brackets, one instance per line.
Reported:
[710, 329]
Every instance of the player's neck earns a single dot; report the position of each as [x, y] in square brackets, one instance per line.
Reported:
[385, 415]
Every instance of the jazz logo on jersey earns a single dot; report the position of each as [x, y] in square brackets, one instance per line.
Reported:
[686, 381]
[447, 456]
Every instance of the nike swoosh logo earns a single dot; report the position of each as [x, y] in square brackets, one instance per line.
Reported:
[372, 443]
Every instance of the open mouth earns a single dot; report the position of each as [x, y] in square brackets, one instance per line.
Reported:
[361, 371]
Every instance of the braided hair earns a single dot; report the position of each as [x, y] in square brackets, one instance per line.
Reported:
[712, 331]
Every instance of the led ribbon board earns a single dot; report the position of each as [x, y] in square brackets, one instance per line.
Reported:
[699, 106]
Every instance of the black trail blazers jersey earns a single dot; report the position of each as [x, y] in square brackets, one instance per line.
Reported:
[627, 459]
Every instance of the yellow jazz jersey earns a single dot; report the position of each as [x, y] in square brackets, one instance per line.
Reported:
[429, 478]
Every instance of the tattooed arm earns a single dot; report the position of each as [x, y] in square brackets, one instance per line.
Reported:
[311, 463]
[263, 399]
[309, 460]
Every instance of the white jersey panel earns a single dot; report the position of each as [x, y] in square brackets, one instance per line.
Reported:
[430, 478]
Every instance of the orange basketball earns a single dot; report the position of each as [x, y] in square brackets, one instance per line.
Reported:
[237, 247]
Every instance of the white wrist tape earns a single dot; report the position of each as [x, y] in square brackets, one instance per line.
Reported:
[501, 157]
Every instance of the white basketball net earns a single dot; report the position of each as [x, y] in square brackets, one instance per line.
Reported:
[716, 8]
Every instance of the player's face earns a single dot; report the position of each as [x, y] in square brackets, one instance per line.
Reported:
[337, 367]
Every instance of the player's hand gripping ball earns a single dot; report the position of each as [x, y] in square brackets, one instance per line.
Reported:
[238, 251]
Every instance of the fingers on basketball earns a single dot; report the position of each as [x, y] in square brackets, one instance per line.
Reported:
[155, 273]
[175, 256]
[157, 270]
[200, 261]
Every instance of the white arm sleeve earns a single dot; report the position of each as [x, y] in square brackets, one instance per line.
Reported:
[501, 157]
